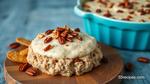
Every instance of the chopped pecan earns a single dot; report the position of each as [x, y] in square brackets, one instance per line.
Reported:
[60, 29]
[147, 5]
[64, 34]
[129, 67]
[32, 71]
[88, 10]
[103, 2]
[143, 59]
[48, 39]
[69, 39]
[74, 34]
[48, 47]
[23, 67]
[120, 11]
[79, 38]
[126, 19]
[131, 12]
[107, 14]
[77, 30]
[142, 20]
[129, 16]
[98, 10]
[147, 11]
[121, 4]
[85, 6]
[14, 45]
[48, 32]
[57, 33]
[69, 36]
[142, 11]
[126, 4]
[61, 40]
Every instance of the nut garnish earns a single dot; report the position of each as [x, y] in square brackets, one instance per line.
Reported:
[14, 45]
[69, 39]
[128, 18]
[131, 12]
[48, 32]
[126, 4]
[87, 10]
[143, 59]
[142, 20]
[48, 48]
[120, 11]
[147, 5]
[48, 39]
[142, 11]
[129, 67]
[24, 67]
[107, 14]
[63, 35]
[61, 40]
[98, 10]
[104, 2]
[80, 38]
[86, 6]
[74, 34]
[77, 30]
[32, 71]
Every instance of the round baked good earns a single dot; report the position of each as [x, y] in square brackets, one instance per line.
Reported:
[64, 51]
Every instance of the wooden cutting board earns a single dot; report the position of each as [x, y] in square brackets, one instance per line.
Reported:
[105, 73]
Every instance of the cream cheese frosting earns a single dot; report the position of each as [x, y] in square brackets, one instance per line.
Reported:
[132, 13]
[73, 49]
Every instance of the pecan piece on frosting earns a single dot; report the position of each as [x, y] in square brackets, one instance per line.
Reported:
[48, 32]
[77, 30]
[98, 10]
[61, 40]
[48, 39]
[48, 47]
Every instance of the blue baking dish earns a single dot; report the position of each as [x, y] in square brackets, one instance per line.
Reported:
[117, 33]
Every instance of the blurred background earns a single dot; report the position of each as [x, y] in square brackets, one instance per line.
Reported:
[26, 18]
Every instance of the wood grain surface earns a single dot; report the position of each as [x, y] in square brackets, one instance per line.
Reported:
[105, 73]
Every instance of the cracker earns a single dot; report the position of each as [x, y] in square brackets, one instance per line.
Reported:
[24, 52]
[18, 55]
[23, 41]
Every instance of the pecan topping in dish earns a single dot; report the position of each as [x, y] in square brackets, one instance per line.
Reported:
[120, 9]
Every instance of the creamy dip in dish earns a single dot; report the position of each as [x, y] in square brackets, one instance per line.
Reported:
[128, 10]
[73, 49]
